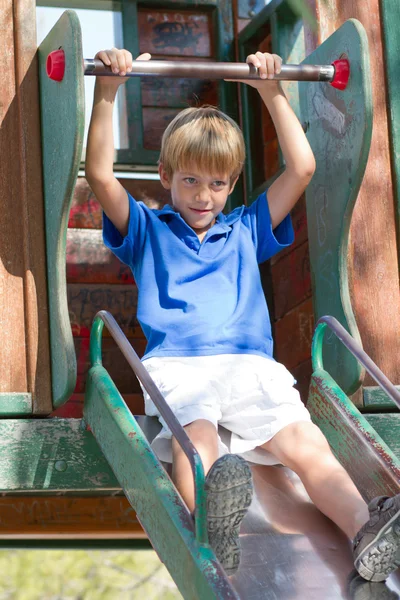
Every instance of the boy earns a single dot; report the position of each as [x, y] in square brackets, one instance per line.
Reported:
[203, 311]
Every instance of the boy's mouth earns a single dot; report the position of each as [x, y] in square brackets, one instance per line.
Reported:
[201, 211]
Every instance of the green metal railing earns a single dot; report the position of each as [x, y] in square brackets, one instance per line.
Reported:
[105, 318]
[355, 349]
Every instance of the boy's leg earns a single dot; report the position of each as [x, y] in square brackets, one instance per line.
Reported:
[303, 448]
[204, 437]
[229, 490]
[375, 529]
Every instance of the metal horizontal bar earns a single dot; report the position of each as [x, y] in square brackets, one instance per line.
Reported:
[211, 70]
[355, 349]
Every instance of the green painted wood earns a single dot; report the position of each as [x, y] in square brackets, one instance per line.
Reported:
[371, 463]
[388, 427]
[376, 399]
[390, 11]
[77, 544]
[339, 131]
[13, 404]
[52, 455]
[62, 117]
[151, 493]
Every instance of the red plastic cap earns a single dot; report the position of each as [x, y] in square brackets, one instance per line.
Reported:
[342, 74]
[55, 65]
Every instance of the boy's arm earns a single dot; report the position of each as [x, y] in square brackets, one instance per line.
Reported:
[299, 159]
[100, 145]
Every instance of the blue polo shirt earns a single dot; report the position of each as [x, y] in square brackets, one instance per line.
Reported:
[205, 298]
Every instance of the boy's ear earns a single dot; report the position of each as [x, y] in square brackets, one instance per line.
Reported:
[165, 182]
[233, 184]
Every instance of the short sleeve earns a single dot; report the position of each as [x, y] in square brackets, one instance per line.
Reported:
[267, 241]
[127, 248]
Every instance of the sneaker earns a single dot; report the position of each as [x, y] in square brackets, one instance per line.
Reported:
[376, 545]
[229, 493]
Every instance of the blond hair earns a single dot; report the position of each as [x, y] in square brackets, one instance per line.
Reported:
[204, 138]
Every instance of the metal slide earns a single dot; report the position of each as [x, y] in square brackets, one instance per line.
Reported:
[289, 549]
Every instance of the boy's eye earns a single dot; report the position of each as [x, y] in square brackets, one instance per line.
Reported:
[190, 180]
[219, 183]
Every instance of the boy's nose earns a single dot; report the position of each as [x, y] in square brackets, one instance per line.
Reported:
[203, 195]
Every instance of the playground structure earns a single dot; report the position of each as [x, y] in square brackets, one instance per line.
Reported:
[60, 459]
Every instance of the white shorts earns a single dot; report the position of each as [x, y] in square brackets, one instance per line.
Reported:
[247, 397]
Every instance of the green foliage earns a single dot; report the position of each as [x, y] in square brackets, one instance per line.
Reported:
[84, 575]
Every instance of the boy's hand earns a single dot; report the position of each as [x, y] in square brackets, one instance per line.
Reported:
[268, 65]
[120, 62]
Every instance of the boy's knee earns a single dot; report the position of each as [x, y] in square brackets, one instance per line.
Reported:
[303, 444]
[203, 435]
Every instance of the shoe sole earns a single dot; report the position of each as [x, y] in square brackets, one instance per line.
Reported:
[229, 493]
[380, 557]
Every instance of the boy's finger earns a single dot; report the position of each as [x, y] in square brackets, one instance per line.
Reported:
[144, 56]
[103, 56]
[121, 63]
[128, 60]
[277, 63]
[262, 66]
[269, 60]
[112, 55]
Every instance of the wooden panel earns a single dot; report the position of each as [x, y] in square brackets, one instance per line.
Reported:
[155, 121]
[68, 517]
[181, 93]
[390, 19]
[301, 321]
[302, 373]
[113, 362]
[32, 215]
[339, 132]
[89, 260]
[73, 409]
[85, 300]
[86, 211]
[61, 103]
[299, 222]
[175, 32]
[13, 359]
[373, 260]
[291, 280]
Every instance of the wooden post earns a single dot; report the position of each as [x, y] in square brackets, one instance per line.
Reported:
[24, 347]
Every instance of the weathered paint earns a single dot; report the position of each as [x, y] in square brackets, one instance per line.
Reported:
[375, 399]
[151, 492]
[52, 455]
[61, 102]
[14, 404]
[339, 132]
[174, 33]
[373, 246]
[85, 300]
[372, 465]
[89, 260]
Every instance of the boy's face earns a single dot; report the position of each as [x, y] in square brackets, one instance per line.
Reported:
[198, 197]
